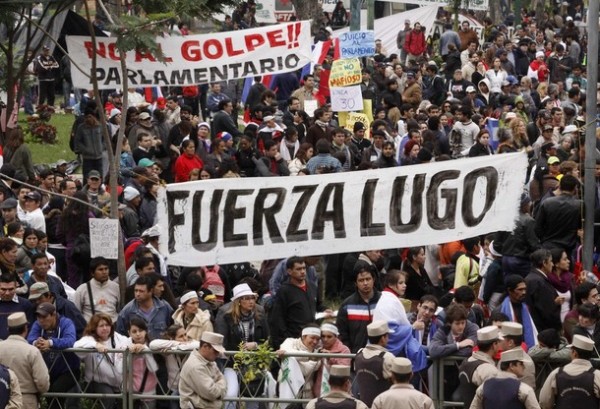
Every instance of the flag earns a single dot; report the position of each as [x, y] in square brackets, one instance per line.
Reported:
[492, 125]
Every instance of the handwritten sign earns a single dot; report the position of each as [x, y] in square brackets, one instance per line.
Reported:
[357, 44]
[345, 72]
[310, 106]
[104, 238]
[354, 117]
[345, 99]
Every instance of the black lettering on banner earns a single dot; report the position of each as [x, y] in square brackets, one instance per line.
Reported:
[160, 78]
[447, 221]
[335, 215]
[416, 204]
[230, 215]
[292, 233]
[213, 227]
[367, 227]
[491, 175]
[268, 214]
[175, 219]
[179, 77]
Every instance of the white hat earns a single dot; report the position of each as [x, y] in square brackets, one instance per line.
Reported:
[16, 319]
[151, 232]
[539, 54]
[188, 296]
[511, 329]
[144, 115]
[340, 371]
[510, 115]
[569, 129]
[114, 112]
[581, 342]
[401, 366]
[268, 118]
[488, 334]
[512, 355]
[377, 328]
[130, 193]
[471, 88]
[330, 328]
[215, 340]
[241, 290]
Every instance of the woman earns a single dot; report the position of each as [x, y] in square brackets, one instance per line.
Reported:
[505, 140]
[187, 161]
[73, 230]
[339, 17]
[16, 232]
[330, 344]
[588, 325]
[26, 250]
[8, 258]
[17, 153]
[305, 152]
[518, 129]
[418, 282]
[88, 141]
[565, 149]
[496, 75]
[388, 156]
[242, 324]
[410, 153]
[103, 369]
[389, 308]
[191, 317]
[147, 210]
[561, 279]
[218, 155]
[482, 145]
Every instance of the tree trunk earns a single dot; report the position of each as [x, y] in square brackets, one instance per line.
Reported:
[309, 10]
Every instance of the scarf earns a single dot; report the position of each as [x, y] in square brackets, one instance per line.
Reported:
[561, 283]
[322, 124]
[10, 266]
[246, 325]
[529, 330]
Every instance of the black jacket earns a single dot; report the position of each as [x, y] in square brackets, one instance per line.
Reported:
[540, 299]
[557, 222]
[353, 317]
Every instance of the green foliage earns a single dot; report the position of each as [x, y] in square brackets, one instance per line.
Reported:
[45, 153]
[187, 8]
[253, 363]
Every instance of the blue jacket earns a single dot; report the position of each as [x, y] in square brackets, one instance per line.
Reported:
[63, 338]
[402, 343]
[157, 322]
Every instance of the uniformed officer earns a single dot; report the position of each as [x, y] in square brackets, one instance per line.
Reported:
[338, 397]
[402, 394]
[575, 385]
[512, 332]
[506, 391]
[373, 363]
[480, 366]
[25, 360]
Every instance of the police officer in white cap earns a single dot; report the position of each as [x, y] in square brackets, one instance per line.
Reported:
[512, 332]
[339, 396]
[481, 365]
[506, 390]
[373, 363]
[402, 394]
[575, 385]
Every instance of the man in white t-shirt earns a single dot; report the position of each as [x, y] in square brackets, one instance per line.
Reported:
[34, 216]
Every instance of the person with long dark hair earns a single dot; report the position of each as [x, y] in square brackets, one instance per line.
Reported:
[16, 152]
[418, 282]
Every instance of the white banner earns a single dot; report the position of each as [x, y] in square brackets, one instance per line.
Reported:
[196, 59]
[467, 4]
[104, 238]
[234, 220]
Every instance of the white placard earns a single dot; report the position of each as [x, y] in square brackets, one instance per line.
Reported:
[346, 99]
[310, 106]
[227, 221]
[104, 238]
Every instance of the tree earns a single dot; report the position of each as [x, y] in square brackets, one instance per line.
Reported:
[309, 10]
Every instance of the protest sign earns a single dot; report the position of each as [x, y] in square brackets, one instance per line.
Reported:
[310, 106]
[234, 220]
[345, 72]
[104, 238]
[357, 44]
[354, 117]
[345, 99]
[195, 59]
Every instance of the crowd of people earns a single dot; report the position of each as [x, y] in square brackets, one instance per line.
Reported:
[508, 302]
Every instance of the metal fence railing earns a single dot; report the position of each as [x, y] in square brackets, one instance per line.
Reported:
[436, 381]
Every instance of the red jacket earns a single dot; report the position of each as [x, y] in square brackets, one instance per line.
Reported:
[184, 165]
[415, 43]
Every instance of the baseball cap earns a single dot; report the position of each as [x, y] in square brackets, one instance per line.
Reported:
[37, 290]
[94, 174]
[10, 203]
[144, 115]
[34, 196]
[45, 309]
[130, 193]
[552, 160]
[471, 88]
[145, 162]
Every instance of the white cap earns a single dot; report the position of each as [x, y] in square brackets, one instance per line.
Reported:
[241, 290]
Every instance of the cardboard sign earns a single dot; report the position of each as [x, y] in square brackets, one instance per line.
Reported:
[345, 72]
[357, 44]
[346, 98]
[354, 117]
[226, 221]
[104, 238]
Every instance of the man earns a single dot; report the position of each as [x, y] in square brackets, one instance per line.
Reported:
[338, 397]
[401, 38]
[39, 293]
[340, 149]
[130, 221]
[10, 302]
[457, 86]
[465, 55]
[93, 188]
[155, 312]
[173, 111]
[467, 265]
[214, 97]
[272, 164]
[321, 128]
[41, 266]
[284, 85]
[415, 44]
[467, 35]
[323, 161]
[512, 332]
[25, 360]
[506, 391]
[585, 293]
[516, 309]
[223, 121]
[402, 394]
[449, 36]
[424, 322]
[52, 333]
[307, 91]
[100, 294]
[9, 214]
[45, 67]
[143, 126]
[146, 146]
[295, 304]
[373, 363]
[22, 191]
[356, 311]
[543, 300]
[34, 216]
[577, 384]
[464, 133]
[412, 93]
[358, 142]
[201, 383]
[46, 178]
[480, 366]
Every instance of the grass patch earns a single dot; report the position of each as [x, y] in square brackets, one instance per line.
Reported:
[47, 153]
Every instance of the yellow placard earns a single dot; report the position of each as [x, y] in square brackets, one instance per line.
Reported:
[345, 72]
[353, 117]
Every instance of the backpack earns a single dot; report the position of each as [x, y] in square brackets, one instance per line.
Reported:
[213, 282]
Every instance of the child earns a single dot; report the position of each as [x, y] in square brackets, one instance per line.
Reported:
[174, 339]
[144, 366]
[126, 161]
